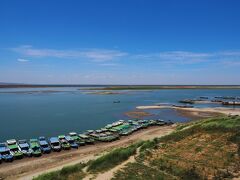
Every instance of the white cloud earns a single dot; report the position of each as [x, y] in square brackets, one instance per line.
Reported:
[110, 64]
[22, 60]
[98, 55]
[106, 57]
[186, 57]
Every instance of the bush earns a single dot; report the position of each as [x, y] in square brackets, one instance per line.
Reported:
[113, 158]
[63, 173]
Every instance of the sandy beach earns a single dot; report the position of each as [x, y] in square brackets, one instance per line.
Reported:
[222, 110]
[28, 168]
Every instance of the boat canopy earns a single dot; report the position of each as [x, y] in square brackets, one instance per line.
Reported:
[61, 136]
[23, 145]
[42, 143]
[53, 140]
[3, 148]
[84, 136]
[73, 134]
[11, 141]
[69, 138]
[42, 138]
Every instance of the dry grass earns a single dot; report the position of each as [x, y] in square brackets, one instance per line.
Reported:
[207, 149]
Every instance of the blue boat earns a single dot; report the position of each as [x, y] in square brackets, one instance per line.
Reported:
[71, 141]
[25, 148]
[55, 144]
[44, 146]
[5, 153]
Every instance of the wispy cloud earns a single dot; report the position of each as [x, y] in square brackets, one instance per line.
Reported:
[110, 64]
[186, 57]
[98, 55]
[107, 57]
[22, 60]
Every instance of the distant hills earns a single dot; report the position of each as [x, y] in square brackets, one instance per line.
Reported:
[118, 87]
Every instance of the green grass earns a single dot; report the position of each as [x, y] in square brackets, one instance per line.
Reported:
[217, 124]
[113, 158]
[139, 171]
[75, 171]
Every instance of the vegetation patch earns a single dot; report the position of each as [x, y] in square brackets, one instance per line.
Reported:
[113, 158]
[68, 172]
[141, 172]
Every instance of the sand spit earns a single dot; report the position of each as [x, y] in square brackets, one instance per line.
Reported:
[222, 110]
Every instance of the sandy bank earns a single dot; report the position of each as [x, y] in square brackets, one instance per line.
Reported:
[232, 111]
[27, 168]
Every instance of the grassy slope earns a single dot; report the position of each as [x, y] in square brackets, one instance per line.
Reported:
[203, 149]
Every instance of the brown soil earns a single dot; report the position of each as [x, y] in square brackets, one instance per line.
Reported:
[196, 115]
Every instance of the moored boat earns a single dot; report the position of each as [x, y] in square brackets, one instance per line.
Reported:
[106, 137]
[187, 101]
[34, 145]
[25, 148]
[76, 138]
[55, 144]
[203, 97]
[72, 142]
[14, 149]
[182, 106]
[87, 139]
[5, 153]
[233, 103]
[44, 146]
[64, 143]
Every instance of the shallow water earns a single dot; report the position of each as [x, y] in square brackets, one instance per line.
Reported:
[32, 112]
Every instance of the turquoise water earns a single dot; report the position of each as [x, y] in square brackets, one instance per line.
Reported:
[32, 114]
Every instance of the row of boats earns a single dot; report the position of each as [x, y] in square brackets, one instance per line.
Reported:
[224, 100]
[13, 149]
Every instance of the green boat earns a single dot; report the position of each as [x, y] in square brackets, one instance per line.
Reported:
[113, 130]
[87, 139]
[105, 137]
[109, 126]
[126, 132]
[36, 150]
[64, 143]
[76, 138]
[121, 127]
[14, 149]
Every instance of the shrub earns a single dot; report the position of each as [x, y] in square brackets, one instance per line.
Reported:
[113, 158]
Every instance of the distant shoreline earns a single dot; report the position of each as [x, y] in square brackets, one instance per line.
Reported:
[122, 87]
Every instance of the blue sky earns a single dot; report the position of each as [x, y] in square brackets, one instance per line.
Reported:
[120, 42]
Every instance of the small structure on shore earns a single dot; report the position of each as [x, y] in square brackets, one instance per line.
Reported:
[187, 101]
[182, 106]
[233, 103]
